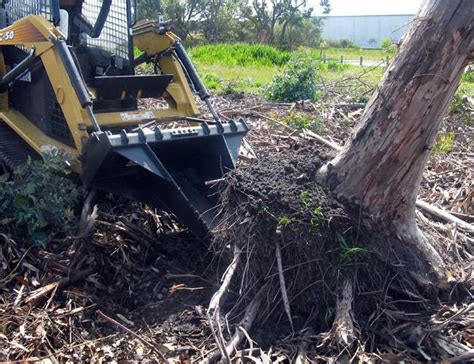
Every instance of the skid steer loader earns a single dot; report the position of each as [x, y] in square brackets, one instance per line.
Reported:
[68, 83]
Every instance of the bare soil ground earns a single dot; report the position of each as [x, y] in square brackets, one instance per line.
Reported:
[137, 288]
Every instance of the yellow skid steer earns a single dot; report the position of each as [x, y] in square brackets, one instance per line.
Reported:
[68, 82]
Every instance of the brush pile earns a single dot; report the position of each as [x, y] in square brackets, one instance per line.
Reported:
[273, 285]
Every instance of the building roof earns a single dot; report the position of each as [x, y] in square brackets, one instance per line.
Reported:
[358, 16]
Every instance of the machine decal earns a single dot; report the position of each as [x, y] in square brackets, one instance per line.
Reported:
[7, 35]
[21, 32]
[135, 116]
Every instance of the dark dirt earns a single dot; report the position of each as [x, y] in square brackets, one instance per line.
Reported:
[277, 200]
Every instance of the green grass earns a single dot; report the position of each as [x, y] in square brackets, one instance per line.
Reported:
[240, 54]
[248, 68]
[244, 54]
[217, 77]
[245, 79]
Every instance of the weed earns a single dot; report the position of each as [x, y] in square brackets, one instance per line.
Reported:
[317, 216]
[232, 87]
[468, 76]
[263, 209]
[284, 221]
[457, 103]
[240, 54]
[348, 254]
[444, 144]
[318, 212]
[333, 66]
[299, 120]
[39, 199]
[360, 99]
[387, 45]
[305, 199]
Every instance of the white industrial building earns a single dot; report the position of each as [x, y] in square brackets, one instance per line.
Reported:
[365, 31]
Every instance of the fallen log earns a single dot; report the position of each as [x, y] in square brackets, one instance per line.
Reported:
[444, 215]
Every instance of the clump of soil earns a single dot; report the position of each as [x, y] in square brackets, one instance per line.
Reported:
[276, 207]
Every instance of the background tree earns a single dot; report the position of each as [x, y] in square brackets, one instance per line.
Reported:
[186, 14]
[293, 19]
[148, 9]
[224, 21]
[326, 5]
[267, 15]
[283, 23]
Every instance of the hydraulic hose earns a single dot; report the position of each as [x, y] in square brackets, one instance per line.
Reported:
[195, 79]
[77, 81]
[191, 70]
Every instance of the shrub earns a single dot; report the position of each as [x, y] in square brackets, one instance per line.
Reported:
[468, 76]
[295, 81]
[387, 45]
[333, 66]
[342, 43]
[360, 99]
[211, 80]
[39, 199]
[460, 101]
[233, 87]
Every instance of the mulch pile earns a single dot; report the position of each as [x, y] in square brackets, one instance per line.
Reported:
[73, 300]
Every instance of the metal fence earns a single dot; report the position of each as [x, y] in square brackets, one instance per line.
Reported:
[17, 9]
[114, 36]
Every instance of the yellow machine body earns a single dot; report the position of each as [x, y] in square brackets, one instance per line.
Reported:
[36, 32]
[66, 92]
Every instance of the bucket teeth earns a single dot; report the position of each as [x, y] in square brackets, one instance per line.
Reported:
[166, 168]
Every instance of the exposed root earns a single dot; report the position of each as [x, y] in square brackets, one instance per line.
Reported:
[302, 354]
[214, 310]
[343, 326]
[88, 216]
[284, 294]
[301, 243]
[151, 345]
[242, 328]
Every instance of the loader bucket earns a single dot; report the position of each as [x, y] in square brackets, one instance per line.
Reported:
[168, 169]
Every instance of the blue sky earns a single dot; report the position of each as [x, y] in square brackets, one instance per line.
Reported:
[369, 7]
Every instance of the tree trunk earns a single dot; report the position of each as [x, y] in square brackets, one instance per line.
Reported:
[283, 33]
[378, 172]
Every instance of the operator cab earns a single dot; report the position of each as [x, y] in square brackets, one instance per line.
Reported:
[98, 33]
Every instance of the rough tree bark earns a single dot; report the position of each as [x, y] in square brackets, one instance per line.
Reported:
[378, 172]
